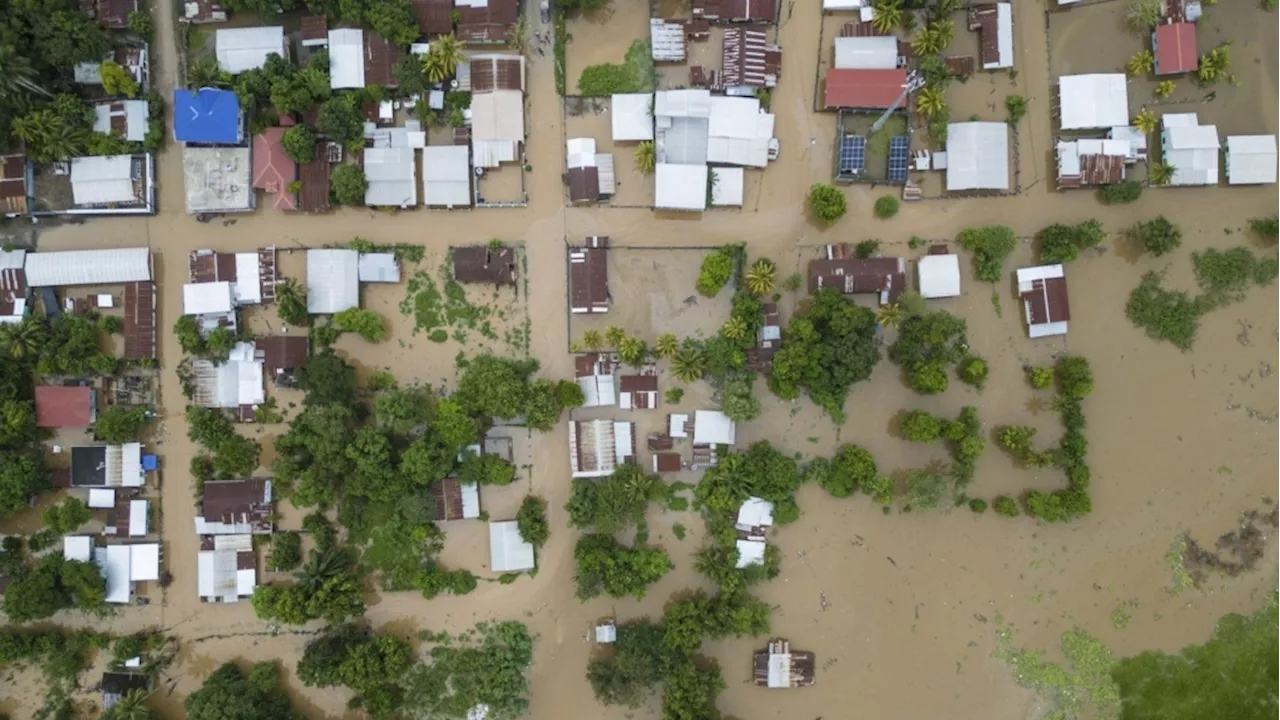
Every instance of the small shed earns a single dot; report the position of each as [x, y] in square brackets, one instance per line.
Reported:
[13, 183]
[379, 267]
[1251, 159]
[667, 40]
[77, 547]
[777, 666]
[750, 552]
[994, 24]
[665, 462]
[315, 31]
[455, 500]
[939, 276]
[1044, 298]
[508, 551]
[712, 427]
[1175, 48]
[484, 264]
[333, 281]
[598, 447]
[115, 685]
[594, 374]
[754, 515]
[125, 118]
[632, 117]
[638, 392]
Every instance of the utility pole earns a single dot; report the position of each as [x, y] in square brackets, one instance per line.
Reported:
[915, 81]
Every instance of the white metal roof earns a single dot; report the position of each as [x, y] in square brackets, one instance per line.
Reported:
[77, 547]
[498, 115]
[247, 48]
[378, 267]
[102, 180]
[248, 285]
[841, 4]
[446, 176]
[632, 116]
[130, 464]
[1028, 275]
[144, 562]
[346, 58]
[676, 423]
[207, 298]
[755, 512]
[728, 187]
[88, 267]
[1169, 120]
[595, 454]
[867, 53]
[217, 576]
[102, 498]
[1093, 101]
[1251, 159]
[599, 390]
[12, 259]
[1004, 37]
[682, 103]
[712, 427]
[115, 561]
[939, 276]
[608, 179]
[738, 133]
[779, 670]
[135, 118]
[508, 552]
[978, 156]
[666, 40]
[139, 518]
[391, 175]
[580, 152]
[333, 283]
[1192, 150]
[750, 552]
[680, 187]
[470, 500]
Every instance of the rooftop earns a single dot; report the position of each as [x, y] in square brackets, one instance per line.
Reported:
[1044, 296]
[64, 407]
[247, 48]
[588, 280]
[111, 266]
[207, 116]
[749, 60]
[884, 276]
[139, 320]
[939, 276]
[736, 10]
[446, 176]
[866, 53]
[632, 117]
[977, 156]
[497, 72]
[435, 17]
[217, 179]
[273, 169]
[994, 23]
[282, 353]
[1251, 159]
[483, 264]
[1175, 48]
[13, 183]
[393, 180]
[508, 552]
[235, 506]
[333, 281]
[1099, 100]
[864, 89]
[485, 21]
[681, 187]
[103, 180]
[346, 58]
[314, 176]
[380, 58]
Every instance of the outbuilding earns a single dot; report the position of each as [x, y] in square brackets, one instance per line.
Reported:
[247, 48]
[508, 551]
[939, 275]
[1099, 100]
[1251, 159]
[977, 156]
[632, 117]
[1044, 298]
[333, 281]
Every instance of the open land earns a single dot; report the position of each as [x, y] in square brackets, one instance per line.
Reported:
[900, 609]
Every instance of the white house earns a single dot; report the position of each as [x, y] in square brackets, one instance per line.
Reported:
[1191, 148]
[1099, 100]
[247, 48]
[102, 180]
[333, 281]
[977, 156]
[680, 187]
[712, 427]
[508, 552]
[392, 177]
[346, 58]
[446, 176]
[1251, 159]
[878, 52]
[632, 117]
[1044, 299]
[939, 276]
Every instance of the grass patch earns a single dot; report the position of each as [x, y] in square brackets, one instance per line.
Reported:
[440, 306]
[635, 74]
[878, 143]
[1083, 682]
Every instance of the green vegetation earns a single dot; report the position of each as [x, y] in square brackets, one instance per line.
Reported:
[926, 346]
[827, 203]
[1125, 192]
[646, 157]
[486, 666]
[763, 472]
[828, 349]
[614, 503]
[299, 143]
[1068, 690]
[1267, 228]
[1040, 377]
[440, 308]
[887, 206]
[370, 664]
[990, 245]
[286, 552]
[40, 587]
[605, 565]
[291, 304]
[1158, 236]
[65, 517]
[365, 323]
[760, 276]
[1016, 105]
[973, 371]
[716, 271]
[635, 74]
[1063, 243]
[348, 185]
[851, 469]
[118, 424]
[1005, 505]
[280, 87]
[531, 520]
[978, 506]
[228, 694]
[964, 439]
[866, 249]
[327, 587]
[1169, 315]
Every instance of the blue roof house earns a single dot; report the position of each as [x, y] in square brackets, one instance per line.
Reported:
[207, 117]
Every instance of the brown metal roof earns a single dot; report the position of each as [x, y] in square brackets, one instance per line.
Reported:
[748, 58]
[246, 560]
[592, 364]
[282, 352]
[851, 276]
[315, 27]
[447, 494]
[1048, 301]
[314, 176]
[13, 287]
[860, 29]
[139, 320]
[483, 264]
[660, 441]
[13, 183]
[638, 383]
[983, 19]
[487, 24]
[801, 671]
[115, 13]
[380, 58]
[59, 407]
[584, 184]
[736, 10]
[666, 462]
[207, 267]
[497, 73]
[237, 501]
[588, 279]
[435, 17]
[1095, 170]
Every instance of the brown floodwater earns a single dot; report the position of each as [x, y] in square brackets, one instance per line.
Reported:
[1179, 442]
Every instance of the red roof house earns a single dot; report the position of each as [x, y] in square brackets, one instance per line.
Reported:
[64, 407]
[1175, 48]
[864, 89]
[273, 170]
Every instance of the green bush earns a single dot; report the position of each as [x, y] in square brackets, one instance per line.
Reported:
[973, 371]
[827, 203]
[866, 249]
[366, 323]
[1063, 243]
[531, 520]
[348, 185]
[886, 206]
[1158, 236]
[1169, 315]
[1075, 376]
[1040, 377]
[140, 23]
[635, 74]
[1005, 505]
[1267, 228]
[716, 271]
[1017, 107]
[928, 378]
[286, 551]
[1125, 192]
[920, 426]
[990, 245]
[978, 505]
[299, 143]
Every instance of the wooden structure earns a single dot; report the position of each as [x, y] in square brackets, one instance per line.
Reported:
[778, 667]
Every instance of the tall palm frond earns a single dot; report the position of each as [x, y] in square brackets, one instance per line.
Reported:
[1161, 173]
[760, 276]
[591, 339]
[322, 567]
[735, 328]
[888, 13]
[1146, 122]
[688, 364]
[666, 345]
[646, 157]
[889, 315]
[930, 101]
[1141, 63]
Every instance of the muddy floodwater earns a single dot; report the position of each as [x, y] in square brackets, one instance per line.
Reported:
[899, 608]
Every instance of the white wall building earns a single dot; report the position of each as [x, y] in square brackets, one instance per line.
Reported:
[1098, 100]
[977, 156]
[247, 48]
[1251, 159]
[333, 281]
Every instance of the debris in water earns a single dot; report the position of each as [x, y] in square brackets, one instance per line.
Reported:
[822, 599]
[891, 561]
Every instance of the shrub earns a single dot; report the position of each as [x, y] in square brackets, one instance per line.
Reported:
[1125, 192]
[978, 505]
[1167, 315]
[1158, 236]
[827, 203]
[140, 23]
[366, 323]
[1017, 107]
[717, 270]
[299, 143]
[1005, 505]
[348, 185]
[1075, 377]
[635, 74]
[1063, 243]
[531, 520]
[973, 371]
[920, 426]
[886, 206]
[990, 245]
[674, 395]
[928, 378]
[1268, 228]
[866, 249]
[286, 551]
[1040, 377]
[116, 80]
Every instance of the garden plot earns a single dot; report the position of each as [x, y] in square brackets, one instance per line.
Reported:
[604, 36]
[593, 118]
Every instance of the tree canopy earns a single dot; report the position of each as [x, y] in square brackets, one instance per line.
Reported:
[613, 503]
[825, 351]
[228, 694]
[605, 565]
[990, 245]
[486, 665]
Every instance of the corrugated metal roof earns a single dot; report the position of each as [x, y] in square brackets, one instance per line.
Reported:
[391, 176]
[681, 187]
[446, 176]
[378, 267]
[508, 552]
[346, 58]
[88, 267]
[247, 48]
[102, 180]
[333, 283]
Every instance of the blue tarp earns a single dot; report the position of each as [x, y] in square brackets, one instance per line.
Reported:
[206, 116]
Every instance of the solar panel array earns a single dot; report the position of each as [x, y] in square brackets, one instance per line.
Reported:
[899, 158]
[853, 153]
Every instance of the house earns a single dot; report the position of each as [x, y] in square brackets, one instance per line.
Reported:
[589, 277]
[115, 685]
[113, 266]
[103, 180]
[234, 384]
[768, 339]
[1251, 159]
[632, 116]
[124, 565]
[1098, 100]
[380, 58]
[378, 267]
[78, 548]
[667, 40]
[101, 499]
[728, 186]
[1136, 139]
[753, 11]
[665, 462]
[938, 275]
[1191, 148]
[682, 126]
[864, 89]
[638, 392]
[393, 181]
[207, 116]
[750, 552]
[484, 264]
[497, 72]
[1174, 46]
[314, 178]
[680, 187]
[1044, 298]
[233, 507]
[139, 320]
[127, 518]
[446, 176]
[15, 294]
[874, 52]
[594, 374]
[455, 500]
[13, 184]
[315, 31]
[346, 58]
[583, 176]
[738, 132]
[132, 58]
[1091, 162]
[755, 515]
[110, 14]
[218, 179]
[994, 24]
[977, 156]
[508, 551]
[333, 283]
[749, 61]
[123, 118]
[598, 447]
[497, 127]
[712, 427]
[884, 276]
[435, 17]
[65, 407]
[107, 466]
[226, 568]
[252, 275]
[273, 170]
[247, 48]
[777, 666]
[282, 355]
[212, 298]
[199, 12]
[485, 21]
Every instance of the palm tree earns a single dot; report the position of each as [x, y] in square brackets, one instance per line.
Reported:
[889, 315]
[1164, 88]
[448, 53]
[131, 706]
[1141, 63]
[1161, 173]
[688, 364]
[433, 67]
[204, 72]
[1146, 122]
[926, 42]
[735, 328]
[591, 339]
[666, 346]
[22, 340]
[1214, 65]
[17, 75]
[646, 157]
[945, 31]
[322, 567]
[930, 101]
[888, 13]
[760, 276]
[943, 8]
[614, 335]
[518, 34]
[633, 351]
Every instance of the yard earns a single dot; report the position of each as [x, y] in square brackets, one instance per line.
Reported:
[602, 36]
[593, 118]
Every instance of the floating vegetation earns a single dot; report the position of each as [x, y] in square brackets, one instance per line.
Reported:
[1083, 683]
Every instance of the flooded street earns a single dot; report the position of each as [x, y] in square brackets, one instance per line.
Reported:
[899, 608]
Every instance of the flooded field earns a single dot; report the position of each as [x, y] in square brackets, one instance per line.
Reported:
[900, 608]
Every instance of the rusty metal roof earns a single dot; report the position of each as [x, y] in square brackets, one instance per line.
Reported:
[483, 264]
[139, 320]
[435, 17]
[588, 279]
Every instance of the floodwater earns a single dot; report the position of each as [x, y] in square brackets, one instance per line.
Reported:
[1178, 441]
